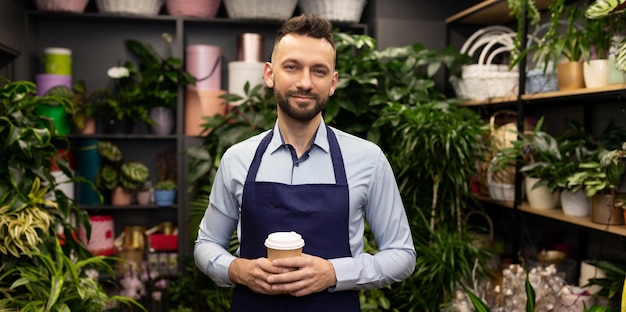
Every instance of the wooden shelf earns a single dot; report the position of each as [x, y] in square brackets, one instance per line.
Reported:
[489, 12]
[609, 90]
[557, 214]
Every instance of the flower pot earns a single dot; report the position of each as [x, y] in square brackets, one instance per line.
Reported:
[164, 197]
[60, 118]
[121, 197]
[89, 126]
[596, 73]
[164, 120]
[144, 197]
[570, 76]
[575, 204]
[603, 211]
[540, 197]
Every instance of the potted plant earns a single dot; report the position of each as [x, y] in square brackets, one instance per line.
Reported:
[599, 33]
[564, 45]
[119, 176]
[152, 84]
[36, 272]
[85, 105]
[601, 179]
[601, 9]
[165, 193]
[539, 154]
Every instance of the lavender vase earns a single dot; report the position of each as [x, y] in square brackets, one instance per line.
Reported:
[164, 120]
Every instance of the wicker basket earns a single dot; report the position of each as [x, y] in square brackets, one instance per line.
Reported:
[500, 190]
[538, 82]
[334, 10]
[502, 136]
[265, 10]
[77, 6]
[194, 8]
[139, 7]
[485, 80]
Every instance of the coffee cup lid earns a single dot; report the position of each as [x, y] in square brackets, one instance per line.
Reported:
[284, 240]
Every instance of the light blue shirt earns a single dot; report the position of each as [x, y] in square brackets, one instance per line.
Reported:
[373, 192]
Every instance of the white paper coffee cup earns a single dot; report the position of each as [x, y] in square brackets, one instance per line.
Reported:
[284, 244]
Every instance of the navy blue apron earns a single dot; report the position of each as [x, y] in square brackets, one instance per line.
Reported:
[319, 212]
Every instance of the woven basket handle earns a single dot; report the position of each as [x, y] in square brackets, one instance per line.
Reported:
[492, 119]
[486, 31]
[506, 40]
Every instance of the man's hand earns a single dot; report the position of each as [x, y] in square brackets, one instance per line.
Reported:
[314, 274]
[253, 274]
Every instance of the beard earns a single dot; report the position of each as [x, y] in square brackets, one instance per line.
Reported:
[297, 112]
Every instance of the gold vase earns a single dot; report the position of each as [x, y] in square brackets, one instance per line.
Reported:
[570, 76]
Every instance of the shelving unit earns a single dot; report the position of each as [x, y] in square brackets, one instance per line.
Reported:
[97, 43]
[490, 12]
[610, 91]
[557, 214]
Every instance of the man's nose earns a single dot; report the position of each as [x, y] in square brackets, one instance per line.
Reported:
[304, 82]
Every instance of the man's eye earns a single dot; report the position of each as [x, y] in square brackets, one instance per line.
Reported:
[290, 67]
[320, 72]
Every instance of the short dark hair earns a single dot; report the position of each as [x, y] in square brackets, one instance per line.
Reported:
[308, 25]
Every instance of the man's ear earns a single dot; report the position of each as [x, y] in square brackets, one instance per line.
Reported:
[268, 75]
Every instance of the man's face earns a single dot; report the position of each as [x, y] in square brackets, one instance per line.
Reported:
[303, 75]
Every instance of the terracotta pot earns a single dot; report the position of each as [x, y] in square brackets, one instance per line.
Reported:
[121, 197]
[603, 211]
[144, 197]
[570, 76]
[89, 127]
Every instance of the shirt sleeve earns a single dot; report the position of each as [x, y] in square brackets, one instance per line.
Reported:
[216, 229]
[395, 259]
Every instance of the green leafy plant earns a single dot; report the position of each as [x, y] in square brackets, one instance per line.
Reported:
[84, 105]
[165, 185]
[115, 171]
[36, 273]
[602, 9]
[599, 33]
[601, 176]
[612, 284]
[564, 38]
[58, 283]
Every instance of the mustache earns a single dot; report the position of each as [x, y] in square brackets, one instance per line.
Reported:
[306, 93]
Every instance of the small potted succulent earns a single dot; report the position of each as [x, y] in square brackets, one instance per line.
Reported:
[165, 193]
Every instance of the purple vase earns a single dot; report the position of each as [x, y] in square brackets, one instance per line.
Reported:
[163, 118]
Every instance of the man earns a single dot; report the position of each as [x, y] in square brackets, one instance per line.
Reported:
[306, 177]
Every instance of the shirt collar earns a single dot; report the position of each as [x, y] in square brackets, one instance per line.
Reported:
[321, 139]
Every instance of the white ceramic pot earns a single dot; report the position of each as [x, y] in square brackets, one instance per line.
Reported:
[540, 197]
[575, 204]
[596, 73]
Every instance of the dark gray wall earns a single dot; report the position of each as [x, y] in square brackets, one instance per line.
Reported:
[13, 38]
[403, 22]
